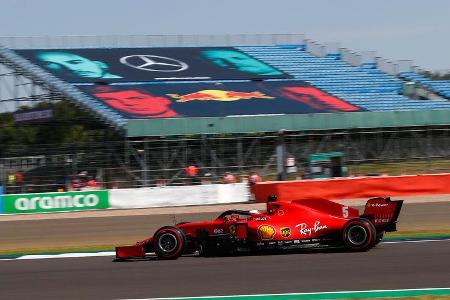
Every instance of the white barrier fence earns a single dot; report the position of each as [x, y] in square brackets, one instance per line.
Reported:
[178, 195]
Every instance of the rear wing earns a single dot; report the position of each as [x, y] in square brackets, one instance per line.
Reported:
[383, 213]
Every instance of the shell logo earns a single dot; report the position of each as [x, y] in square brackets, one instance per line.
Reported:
[266, 232]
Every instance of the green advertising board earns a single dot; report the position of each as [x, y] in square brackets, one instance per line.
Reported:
[52, 202]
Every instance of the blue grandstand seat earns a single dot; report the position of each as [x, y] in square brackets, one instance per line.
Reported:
[364, 86]
[441, 87]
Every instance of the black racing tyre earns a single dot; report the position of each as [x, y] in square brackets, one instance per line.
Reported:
[169, 242]
[359, 234]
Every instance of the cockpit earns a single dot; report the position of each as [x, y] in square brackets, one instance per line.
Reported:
[236, 214]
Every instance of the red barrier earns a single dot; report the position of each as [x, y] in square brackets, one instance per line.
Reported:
[356, 187]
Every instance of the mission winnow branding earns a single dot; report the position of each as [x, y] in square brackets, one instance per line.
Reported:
[50, 202]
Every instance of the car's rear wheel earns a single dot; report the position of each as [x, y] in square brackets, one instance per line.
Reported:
[169, 242]
[359, 234]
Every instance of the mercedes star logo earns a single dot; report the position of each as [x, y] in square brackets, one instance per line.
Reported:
[154, 63]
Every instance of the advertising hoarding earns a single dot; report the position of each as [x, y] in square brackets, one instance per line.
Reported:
[185, 100]
[53, 202]
[150, 64]
[33, 116]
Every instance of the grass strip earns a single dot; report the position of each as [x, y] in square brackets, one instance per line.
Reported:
[427, 297]
[414, 234]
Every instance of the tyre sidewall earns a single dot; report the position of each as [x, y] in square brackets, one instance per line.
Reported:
[370, 232]
[180, 238]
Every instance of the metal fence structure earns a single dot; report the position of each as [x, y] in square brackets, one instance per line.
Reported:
[17, 89]
[133, 41]
[150, 162]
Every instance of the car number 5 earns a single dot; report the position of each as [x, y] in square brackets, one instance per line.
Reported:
[345, 211]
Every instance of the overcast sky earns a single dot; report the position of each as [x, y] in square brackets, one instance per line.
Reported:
[395, 29]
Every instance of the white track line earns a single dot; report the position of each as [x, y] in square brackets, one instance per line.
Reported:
[112, 253]
[294, 294]
[63, 255]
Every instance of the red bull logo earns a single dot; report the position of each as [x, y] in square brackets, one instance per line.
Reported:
[219, 95]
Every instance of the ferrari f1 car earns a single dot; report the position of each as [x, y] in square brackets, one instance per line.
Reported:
[299, 224]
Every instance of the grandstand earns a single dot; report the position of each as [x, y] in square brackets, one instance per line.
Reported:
[440, 87]
[221, 117]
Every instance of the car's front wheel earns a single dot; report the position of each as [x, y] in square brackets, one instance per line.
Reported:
[169, 242]
[359, 234]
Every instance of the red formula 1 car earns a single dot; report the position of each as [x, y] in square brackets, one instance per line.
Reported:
[299, 224]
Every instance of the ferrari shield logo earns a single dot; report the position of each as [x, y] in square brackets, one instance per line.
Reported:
[285, 232]
[232, 229]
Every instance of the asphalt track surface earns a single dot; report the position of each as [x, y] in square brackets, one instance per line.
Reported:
[389, 266]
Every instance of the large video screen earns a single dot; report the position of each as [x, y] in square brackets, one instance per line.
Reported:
[148, 101]
[151, 64]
